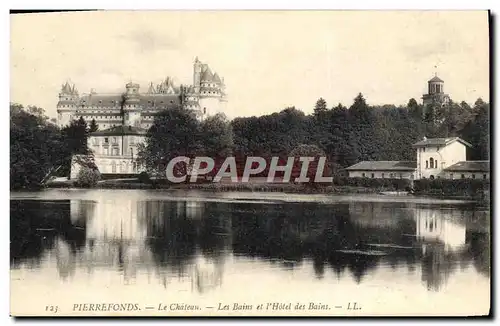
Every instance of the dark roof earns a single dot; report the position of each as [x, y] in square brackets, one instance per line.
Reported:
[440, 142]
[160, 100]
[103, 100]
[217, 78]
[207, 75]
[436, 79]
[383, 165]
[471, 166]
[120, 131]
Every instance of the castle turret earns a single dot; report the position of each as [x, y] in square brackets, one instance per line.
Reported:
[196, 74]
[68, 100]
[131, 107]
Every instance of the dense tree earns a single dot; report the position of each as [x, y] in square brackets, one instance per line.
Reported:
[477, 131]
[93, 126]
[76, 135]
[320, 108]
[175, 132]
[38, 148]
[217, 136]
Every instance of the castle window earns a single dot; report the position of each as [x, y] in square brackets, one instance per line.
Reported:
[383, 175]
[431, 163]
[391, 175]
[171, 101]
[363, 175]
[473, 176]
[463, 176]
[484, 176]
[436, 164]
[106, 140]
[426, 164]
[451, 175]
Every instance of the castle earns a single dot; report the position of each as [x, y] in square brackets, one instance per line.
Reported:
[124, 118]
[206, 96]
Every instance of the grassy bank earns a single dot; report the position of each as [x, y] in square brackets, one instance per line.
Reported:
[434, 192]
[226, 187]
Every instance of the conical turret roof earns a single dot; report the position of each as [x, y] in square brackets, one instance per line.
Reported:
[207, 75]
[216, 78]
[436, 79]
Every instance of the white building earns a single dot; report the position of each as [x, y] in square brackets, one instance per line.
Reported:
[115, 151]
[436, 158]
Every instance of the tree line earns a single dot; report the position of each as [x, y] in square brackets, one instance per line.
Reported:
[363, 132]
[346, 135]
[38, 147]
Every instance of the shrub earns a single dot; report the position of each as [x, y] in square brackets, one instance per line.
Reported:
[389, 184]
[144, 177]
[87, 177]
[465, 187]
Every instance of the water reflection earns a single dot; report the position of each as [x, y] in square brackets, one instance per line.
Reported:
[195, 242]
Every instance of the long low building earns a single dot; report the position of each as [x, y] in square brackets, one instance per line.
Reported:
[383, 169]
[469, 170]
[436, 158]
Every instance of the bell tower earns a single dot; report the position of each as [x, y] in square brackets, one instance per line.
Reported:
[435, 92]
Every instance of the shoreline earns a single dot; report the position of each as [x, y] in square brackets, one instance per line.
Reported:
[287, 188]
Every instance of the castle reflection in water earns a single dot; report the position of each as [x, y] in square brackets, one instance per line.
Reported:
[193, 241]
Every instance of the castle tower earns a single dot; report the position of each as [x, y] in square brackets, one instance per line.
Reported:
[196, 75]
[210, 91]
[68, 101]
[131, 107]
[435, 92]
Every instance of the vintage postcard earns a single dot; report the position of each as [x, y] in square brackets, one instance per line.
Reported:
[250, 163]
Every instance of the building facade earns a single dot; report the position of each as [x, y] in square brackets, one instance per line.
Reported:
[436, 154]
[124, 118]
[436, 158]
[206, 96]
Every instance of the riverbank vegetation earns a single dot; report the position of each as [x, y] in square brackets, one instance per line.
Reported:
[38, 148]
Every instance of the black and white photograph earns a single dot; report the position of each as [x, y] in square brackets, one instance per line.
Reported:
[232, 163]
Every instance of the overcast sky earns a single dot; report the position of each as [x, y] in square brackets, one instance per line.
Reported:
[270, 60]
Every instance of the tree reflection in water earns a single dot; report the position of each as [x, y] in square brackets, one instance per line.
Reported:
[192, 240]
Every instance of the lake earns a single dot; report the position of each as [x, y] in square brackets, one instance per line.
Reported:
[129, 252]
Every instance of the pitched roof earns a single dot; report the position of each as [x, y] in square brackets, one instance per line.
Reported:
[207, 75]
[383, 166]
[120, 131]
[217, 78]
[101, 100]
[436, 79]
[440, 142]
[470, 166]
[159, 101]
